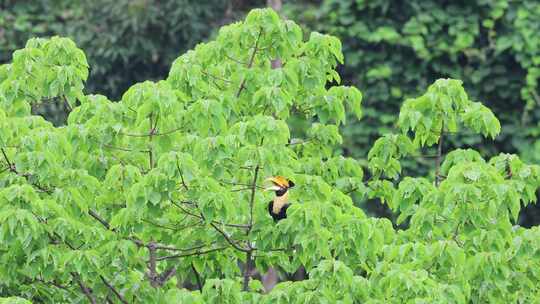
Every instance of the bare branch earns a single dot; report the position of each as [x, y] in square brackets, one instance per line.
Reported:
[181, 174]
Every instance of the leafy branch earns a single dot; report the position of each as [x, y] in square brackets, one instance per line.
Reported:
[114, 290]
[250, 63]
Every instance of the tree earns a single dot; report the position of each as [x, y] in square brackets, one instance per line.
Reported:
[395, 50]
[134, 200]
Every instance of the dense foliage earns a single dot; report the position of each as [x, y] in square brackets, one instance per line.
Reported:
[133, 200]
[394, 50]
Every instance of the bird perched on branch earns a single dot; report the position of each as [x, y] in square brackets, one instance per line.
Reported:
[278, 206]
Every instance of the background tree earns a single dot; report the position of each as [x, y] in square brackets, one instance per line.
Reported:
[125, 41]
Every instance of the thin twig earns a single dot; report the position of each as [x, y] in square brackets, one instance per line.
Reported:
[4, 170]
[249, 254]
[252, 198]
[229, 240]
[438, 159]
[93, 214]
[53, 283]
[10, 166]
[155, 134]
[116, 293]
[300, 142]
[421, 156]
[202, 218]
[240, 184]
[151, 133]
[163, 247]
[158, 225]
[250, 64]
[198, 277]
[282, 249]
[87, 291]
[68, 106]
[183, 255]
[181, 174]
[235, 60]
[125, 149]
[215, 77]
[241, 189]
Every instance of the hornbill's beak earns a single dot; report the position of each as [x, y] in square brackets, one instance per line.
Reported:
[278, 183]
[275, 186]
[272, 188]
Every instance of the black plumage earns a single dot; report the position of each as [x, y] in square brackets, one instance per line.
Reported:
[282, 212]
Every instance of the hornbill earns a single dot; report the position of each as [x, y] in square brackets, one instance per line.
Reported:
[278, 206]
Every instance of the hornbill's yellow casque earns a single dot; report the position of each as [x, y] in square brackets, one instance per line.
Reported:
[278, 206]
